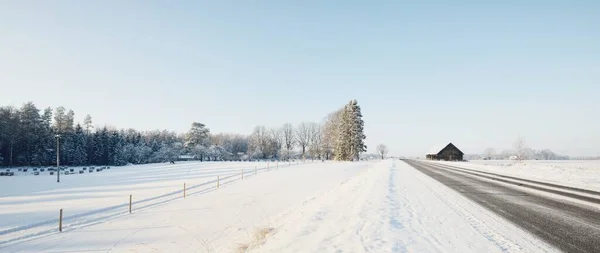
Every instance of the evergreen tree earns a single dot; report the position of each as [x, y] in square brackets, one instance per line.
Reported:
[87, 123]
[342, 142]
[79, 156]
[114, 149]
[103, 147]
[60, 120]
[70, 121]
[349, 141]
[98, 147]
[46, 151]
[30, 124]
[198, 135]
[357, 130]
[11, 135]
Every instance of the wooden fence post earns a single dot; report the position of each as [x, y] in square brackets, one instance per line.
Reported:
[60, 221]
[277, 165]
[184, 190]
[218, 182]
[130, 201]
[242, 173]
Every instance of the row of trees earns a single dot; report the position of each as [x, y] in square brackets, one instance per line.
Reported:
[522, 152]
[339, 136]
[28, 136]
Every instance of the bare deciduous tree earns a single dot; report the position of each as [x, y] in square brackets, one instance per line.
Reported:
[278, 140]
[231, 143]
[303, 135]
[287, 132]
[520, 147]
[489, 152]
[382, 150]
[329, 133]
[315, 141]
[258, 142]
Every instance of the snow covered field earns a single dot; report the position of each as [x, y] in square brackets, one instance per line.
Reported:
[580, 174]
[29, 205]
[382, 206]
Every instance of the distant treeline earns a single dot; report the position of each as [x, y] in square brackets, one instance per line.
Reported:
[526, 153]
[29, 135]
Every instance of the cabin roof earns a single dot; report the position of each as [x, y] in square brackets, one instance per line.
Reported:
[450, 146]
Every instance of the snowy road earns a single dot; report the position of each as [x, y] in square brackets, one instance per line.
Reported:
[566, 218]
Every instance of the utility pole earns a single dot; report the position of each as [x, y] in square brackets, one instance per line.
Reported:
[57, 158]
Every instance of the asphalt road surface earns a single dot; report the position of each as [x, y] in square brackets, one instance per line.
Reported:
[560, 221]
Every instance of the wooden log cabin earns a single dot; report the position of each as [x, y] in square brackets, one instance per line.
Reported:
[448, 153]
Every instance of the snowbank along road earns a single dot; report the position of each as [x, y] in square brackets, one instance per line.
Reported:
[565, 217]
[392, 207]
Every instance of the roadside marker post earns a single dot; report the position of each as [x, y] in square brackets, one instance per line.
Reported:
[60, 216]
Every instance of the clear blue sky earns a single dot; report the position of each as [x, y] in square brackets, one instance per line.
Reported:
[425, 73]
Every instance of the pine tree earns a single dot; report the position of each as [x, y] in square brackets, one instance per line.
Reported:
[11, 135]
[115, 146]
[70, 121]
[357, 130]
[99, 152]
[30, 124]
[87, 123]
[79, 156]
[47, 142]
[105, 146]
[60, 120]
[342, 143]
[349, 142]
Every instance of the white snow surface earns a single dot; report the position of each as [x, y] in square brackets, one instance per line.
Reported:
[393, 208]
[29, 205]
[574, 173]
[384, 206]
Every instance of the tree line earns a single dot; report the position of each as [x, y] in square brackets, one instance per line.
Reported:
[522, 152]
[29, 136]
[339, 136]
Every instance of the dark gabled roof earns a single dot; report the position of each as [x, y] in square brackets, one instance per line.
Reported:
[450, 145]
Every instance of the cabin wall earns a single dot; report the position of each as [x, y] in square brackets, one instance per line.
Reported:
[450, 155]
